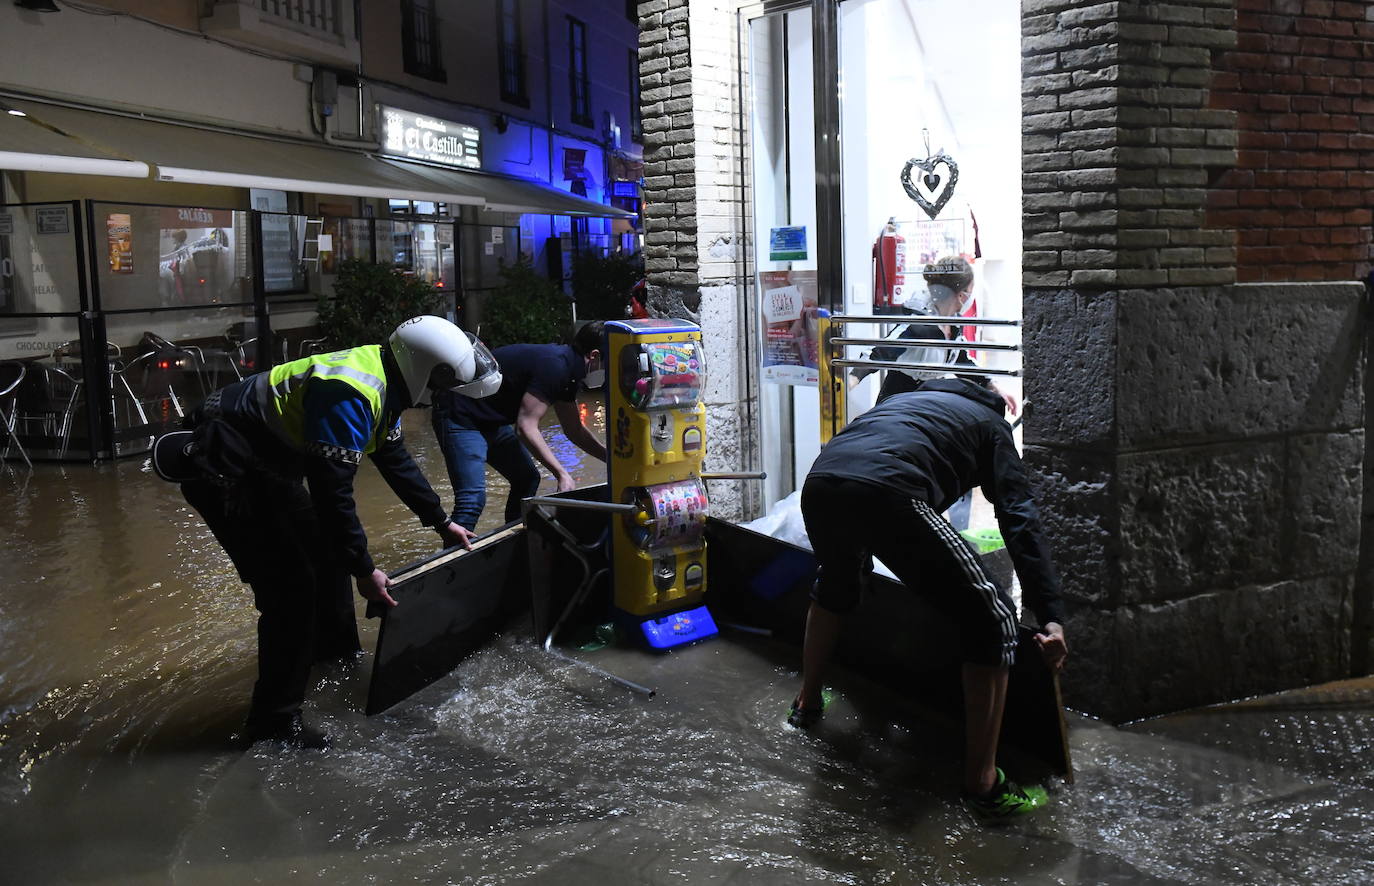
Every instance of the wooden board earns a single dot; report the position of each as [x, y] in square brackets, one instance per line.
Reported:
[448, 606]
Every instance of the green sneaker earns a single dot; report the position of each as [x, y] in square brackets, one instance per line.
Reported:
[804, 718]
[1007, 801]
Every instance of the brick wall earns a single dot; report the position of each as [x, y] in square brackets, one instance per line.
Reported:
[665, 67]
[693, 209]
[1301, 81]
[1119, 140]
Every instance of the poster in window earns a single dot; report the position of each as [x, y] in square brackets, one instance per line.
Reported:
[53, 220]
[119, 231]
[195, 256]
[791, 328]
[7, 293]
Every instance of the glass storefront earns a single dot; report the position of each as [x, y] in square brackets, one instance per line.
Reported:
[875, 146]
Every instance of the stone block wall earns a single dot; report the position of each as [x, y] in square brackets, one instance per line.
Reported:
[693, 193]
[1301, 83]
[1120, 141]
[1199, 443]
[1200, 470]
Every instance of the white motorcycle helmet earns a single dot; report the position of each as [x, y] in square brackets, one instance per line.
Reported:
[435, 355]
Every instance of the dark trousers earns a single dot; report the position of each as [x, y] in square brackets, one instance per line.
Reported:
[849, 522]
[303, 597]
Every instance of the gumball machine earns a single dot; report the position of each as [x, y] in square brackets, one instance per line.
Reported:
[656, 424]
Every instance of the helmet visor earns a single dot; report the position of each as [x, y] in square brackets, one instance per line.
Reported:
[486, 375]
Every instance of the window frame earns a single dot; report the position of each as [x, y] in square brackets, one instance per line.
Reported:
[433, 67]
[510, 59]
[636, 112]
[580, 112]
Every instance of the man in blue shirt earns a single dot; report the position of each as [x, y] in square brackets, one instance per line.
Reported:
[476, 432]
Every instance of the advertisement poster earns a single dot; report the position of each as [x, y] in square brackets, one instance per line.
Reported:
[790, 347]
[7, 284]
[787, 244]
[930, 241]
[196, 256]
[119, 230]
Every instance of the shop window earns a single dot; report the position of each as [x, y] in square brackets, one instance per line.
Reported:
[420, 47]
[511, 53]
[581, 111]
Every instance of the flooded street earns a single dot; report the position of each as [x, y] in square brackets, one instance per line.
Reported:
[127, 654]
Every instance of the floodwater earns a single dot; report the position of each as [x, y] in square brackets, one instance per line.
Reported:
[127, 654]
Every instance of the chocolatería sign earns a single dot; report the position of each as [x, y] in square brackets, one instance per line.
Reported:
[418, 137]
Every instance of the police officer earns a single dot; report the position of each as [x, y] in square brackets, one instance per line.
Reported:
[241, 465]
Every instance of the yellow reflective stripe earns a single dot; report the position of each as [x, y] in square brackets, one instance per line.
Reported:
[283, 387]
[278, 391]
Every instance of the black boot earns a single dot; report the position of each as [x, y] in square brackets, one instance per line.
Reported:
[287, 729]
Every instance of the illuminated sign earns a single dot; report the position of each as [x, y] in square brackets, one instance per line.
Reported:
[417, 137]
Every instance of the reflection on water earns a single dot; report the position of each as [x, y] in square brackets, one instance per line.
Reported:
[127, 655]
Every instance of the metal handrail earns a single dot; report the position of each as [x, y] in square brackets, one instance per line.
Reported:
[944, 368]
[928, 343]
[908, 319]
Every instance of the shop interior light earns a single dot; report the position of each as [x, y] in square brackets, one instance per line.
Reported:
[15, 112]
[37, 5]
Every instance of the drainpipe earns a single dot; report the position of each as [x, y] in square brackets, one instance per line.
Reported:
[548, 136]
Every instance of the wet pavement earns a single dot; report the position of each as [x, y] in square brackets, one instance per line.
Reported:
[127, 655]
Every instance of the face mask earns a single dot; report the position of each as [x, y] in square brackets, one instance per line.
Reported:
[594, 380]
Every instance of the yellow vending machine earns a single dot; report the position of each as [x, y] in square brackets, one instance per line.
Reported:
[656, 425]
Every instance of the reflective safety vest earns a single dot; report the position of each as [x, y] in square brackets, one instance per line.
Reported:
[283, 393]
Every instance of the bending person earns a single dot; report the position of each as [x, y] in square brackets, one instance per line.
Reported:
[269, 463]
[877, 489]
[502, 430]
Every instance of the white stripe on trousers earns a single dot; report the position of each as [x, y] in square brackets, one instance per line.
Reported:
[973, 570]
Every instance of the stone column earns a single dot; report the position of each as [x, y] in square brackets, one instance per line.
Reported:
[694, 250]
[1198, 443]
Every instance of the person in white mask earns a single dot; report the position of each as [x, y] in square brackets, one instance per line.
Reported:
[949, 287]
[502, 430]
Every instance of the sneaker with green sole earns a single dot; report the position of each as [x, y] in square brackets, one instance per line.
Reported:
[1007, 801]
[804, 718]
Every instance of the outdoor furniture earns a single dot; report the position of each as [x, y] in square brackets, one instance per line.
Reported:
[70, 353]
[45, 405]
[11, 375]
[242, 338]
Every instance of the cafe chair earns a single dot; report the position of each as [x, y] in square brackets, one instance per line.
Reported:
[12, 374]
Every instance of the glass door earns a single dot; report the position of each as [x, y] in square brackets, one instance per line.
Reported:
[779, 87]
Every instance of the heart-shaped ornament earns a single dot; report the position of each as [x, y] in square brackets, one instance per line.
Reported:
[932, 198]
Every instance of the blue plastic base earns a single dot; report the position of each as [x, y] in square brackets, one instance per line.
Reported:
[687, 626]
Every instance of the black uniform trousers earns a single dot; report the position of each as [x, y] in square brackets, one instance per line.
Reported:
[303, 596]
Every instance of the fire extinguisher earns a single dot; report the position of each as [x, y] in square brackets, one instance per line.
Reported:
[889, 270]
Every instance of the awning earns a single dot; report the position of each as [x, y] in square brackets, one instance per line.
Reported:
[504, 194]
[213, 157]
[210, 157]
[28, 146]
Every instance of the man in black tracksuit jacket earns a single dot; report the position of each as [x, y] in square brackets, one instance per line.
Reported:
[878, 488]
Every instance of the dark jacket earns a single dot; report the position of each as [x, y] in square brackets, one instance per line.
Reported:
[935, 444]
[330, 470]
